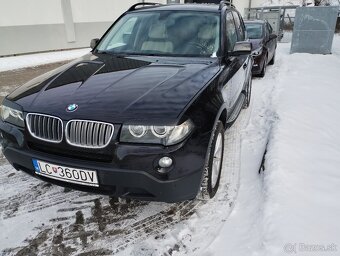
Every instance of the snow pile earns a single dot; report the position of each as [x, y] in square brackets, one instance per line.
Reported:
[302, 178]
[292, 208]
[31, 60]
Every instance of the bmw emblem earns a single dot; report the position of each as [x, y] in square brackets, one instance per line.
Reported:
[72, 108]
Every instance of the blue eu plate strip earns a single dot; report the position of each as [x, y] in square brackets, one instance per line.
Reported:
[35, 164]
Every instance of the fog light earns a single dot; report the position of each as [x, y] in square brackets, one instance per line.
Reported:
[165, 162]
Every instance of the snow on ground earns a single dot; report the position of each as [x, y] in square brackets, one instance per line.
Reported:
[289, 208]
[302, 181]
[31, 60]
[292, 208]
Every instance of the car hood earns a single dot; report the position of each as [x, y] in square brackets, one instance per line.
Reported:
[256, 43]
[118, 89]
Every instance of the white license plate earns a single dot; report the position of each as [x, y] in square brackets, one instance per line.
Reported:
[68, 174]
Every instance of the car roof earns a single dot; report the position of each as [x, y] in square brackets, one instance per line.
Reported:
[181, 7]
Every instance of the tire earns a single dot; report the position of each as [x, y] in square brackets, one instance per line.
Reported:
[213, 166]
[264, 68]
[272, 61]
[248, 93]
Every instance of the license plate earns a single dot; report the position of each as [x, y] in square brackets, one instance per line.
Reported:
[67, 174]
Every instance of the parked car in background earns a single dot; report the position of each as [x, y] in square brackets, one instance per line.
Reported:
[264, 43]
[141, 116]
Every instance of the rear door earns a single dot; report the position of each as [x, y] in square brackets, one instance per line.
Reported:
[232, 63]
[244, 60]
[271, 43]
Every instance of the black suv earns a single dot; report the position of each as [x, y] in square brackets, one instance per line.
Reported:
[141, 116]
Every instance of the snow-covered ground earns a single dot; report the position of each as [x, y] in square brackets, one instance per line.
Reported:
[31, 60]
[289, 208]
[292, 208]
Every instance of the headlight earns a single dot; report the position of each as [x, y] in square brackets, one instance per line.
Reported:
[257, 52]
[12, 116]
[166, 135]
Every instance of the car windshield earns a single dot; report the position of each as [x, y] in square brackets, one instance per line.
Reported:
[164, 33]
[254, 31]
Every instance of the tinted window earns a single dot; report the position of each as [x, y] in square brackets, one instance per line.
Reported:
[254, 31]
[239, 27]
[231, 31]
[169, 33]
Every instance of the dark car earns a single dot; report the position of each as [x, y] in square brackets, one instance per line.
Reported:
[141, 116]
[264, 43]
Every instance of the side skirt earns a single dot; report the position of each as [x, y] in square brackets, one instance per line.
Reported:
[237, 108]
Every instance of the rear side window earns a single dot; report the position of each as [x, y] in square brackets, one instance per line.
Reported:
[239, 27]
[231, 32]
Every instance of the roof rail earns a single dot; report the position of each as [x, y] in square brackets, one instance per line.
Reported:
[226, 3]
[133, 7]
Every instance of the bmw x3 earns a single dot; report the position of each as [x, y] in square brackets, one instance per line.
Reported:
[143, 114]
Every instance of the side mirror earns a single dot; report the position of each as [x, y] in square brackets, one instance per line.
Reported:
[241, 48]
[94, 43]
[272, 36]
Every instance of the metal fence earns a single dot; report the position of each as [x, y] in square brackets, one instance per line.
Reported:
[275, 15]
[314, 29]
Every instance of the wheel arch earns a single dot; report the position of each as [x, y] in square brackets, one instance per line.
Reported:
[223, 117]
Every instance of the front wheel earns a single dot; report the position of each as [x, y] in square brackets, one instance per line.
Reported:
[212, 170]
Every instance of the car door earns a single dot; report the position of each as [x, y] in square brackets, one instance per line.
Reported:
[236, 67]
[231, 63]
[271, 42]
[243, 60]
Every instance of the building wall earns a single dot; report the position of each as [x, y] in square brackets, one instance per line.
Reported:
[42, 25]
[29, 12]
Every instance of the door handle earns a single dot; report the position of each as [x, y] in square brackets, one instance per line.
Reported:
[245, 65]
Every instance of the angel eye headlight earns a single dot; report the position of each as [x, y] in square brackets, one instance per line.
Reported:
[166, 135]
[137, 131]
[11, 115]
[160, 131]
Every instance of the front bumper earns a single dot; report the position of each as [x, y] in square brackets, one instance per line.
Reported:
[121, 177]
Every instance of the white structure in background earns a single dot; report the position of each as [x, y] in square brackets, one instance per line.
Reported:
[43, 25]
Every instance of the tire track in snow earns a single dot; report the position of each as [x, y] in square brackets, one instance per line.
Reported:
[79, 234]
[35, 198]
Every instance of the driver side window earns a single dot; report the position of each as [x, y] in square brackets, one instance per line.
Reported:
[231, 32]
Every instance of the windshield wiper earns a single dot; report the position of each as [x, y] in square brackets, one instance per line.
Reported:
[112, 53]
